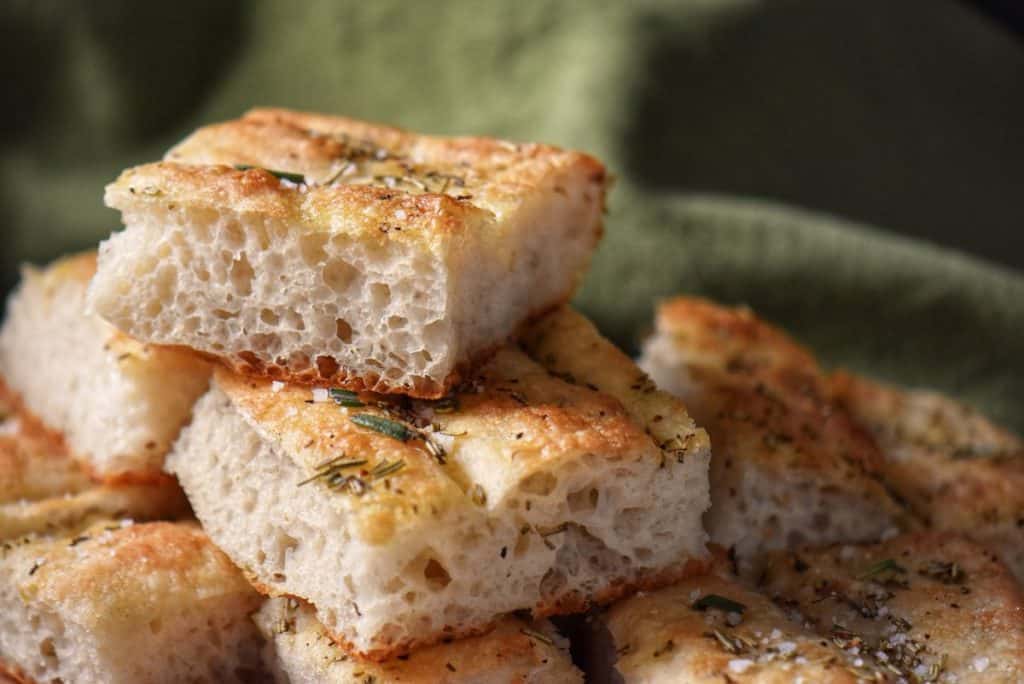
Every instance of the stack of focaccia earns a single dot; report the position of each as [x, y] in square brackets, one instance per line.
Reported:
[320, 414]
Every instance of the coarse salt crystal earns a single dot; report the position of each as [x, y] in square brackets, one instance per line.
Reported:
[787, 647]
[890, 533]
[401, 215]
[733, 618]
[980, 664]
[776, 634]
[276, 386]
[695, 594]
[740, 665]
[321, 395]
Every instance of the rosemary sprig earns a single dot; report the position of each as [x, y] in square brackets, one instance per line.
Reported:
[385, 468]
[282, 175]
[329, 470]
[384, 426]
[346, 398]
[718, 603]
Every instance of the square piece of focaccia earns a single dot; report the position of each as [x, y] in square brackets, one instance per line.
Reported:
[44, 489]
[300, 651]
[709, 630]
[405, 522]
[918, 608]
[326, 250]
[955, 468]
[790, 465]
[118, 403]
[135, 604]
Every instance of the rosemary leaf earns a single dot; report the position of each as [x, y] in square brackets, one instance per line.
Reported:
[346, 398]
[384, 426]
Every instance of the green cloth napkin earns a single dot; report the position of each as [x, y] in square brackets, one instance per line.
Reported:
[904, 114]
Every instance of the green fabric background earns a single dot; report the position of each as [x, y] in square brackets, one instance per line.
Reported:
[905, 115]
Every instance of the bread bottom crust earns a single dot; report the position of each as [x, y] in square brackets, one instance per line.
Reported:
[573, 602]
[422, 388]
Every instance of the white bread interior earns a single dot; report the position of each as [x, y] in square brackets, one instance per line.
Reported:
[118, 403]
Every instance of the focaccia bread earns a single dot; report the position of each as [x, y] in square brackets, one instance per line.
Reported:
[956, 469]
[299, 651]
[924, 607]
[118, 403]
[790, 466]
[43, 489]
[135, 604]
[712, 630]
[325, 250]
[521, 491]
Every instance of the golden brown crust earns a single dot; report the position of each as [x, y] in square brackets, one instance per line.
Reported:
[956, 470]
[929, 600]
[663, 637]
[555, 421]
[767, 403]
[142, 570]
[443, 185]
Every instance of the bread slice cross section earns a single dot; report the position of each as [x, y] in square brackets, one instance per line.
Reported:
[321, 249]
[405, 522]
[119, 403]
[43, 489]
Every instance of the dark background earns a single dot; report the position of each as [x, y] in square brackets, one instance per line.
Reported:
[723, 120]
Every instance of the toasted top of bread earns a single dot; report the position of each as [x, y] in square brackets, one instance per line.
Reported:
[362, 171]
[927, 607]
[522, 416]
[714, 629]
[790, 465]
[301, 651]
[572, 349]
[118, 602]
[355, 177]
[112, 575]
[955, 468]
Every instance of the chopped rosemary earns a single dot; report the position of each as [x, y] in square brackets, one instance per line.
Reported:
[329, 471]
[534, 634]
[882, 567]
[282, 175]
[718, 603]
[382, 425]
[385, 468]
[346, 398]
